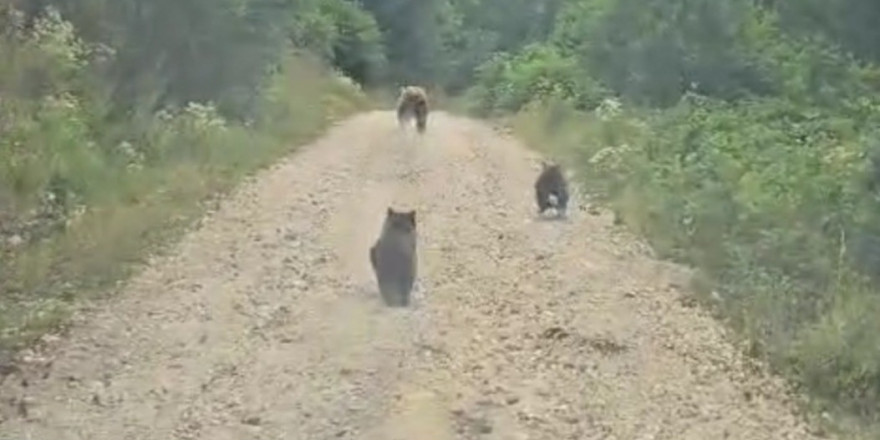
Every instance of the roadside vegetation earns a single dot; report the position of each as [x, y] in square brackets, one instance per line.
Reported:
[115, 133]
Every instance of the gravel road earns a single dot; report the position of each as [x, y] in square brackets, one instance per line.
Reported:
[265, 321]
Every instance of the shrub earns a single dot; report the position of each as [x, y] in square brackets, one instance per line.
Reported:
[84, 195]
[508, 82]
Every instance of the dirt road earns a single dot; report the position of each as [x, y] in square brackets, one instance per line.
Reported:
[265, 323]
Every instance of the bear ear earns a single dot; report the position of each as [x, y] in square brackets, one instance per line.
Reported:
[389, 212]
[412, 217]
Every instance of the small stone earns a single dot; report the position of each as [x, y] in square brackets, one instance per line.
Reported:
[253, 420]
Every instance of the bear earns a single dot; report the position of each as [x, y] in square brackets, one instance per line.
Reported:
[393, 257]
[551, 189]
[413, 102]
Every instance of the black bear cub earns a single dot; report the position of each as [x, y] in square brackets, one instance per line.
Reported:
[551, 189]
[394, 259]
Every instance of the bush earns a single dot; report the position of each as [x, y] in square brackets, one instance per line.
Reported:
[344, 35]
[508, 82]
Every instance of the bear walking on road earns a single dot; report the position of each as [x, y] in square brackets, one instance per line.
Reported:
[413, 102]
[551, 189]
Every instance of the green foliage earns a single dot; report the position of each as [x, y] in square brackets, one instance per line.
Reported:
[479, 29]
[82, 194]
[411, 36]
[441, 42]
[169, 52]
[849, 23]
[508, 82]
[654, 53]
[344, 35]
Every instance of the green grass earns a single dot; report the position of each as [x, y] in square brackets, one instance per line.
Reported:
[134, 202]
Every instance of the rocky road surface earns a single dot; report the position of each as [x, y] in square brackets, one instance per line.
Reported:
[265, 322]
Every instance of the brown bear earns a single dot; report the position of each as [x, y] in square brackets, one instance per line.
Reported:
[413, 101]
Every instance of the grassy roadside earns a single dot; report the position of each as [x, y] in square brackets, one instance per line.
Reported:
[729, 190]
[128, 203]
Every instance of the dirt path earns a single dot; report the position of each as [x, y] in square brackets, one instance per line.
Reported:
[265, 323]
